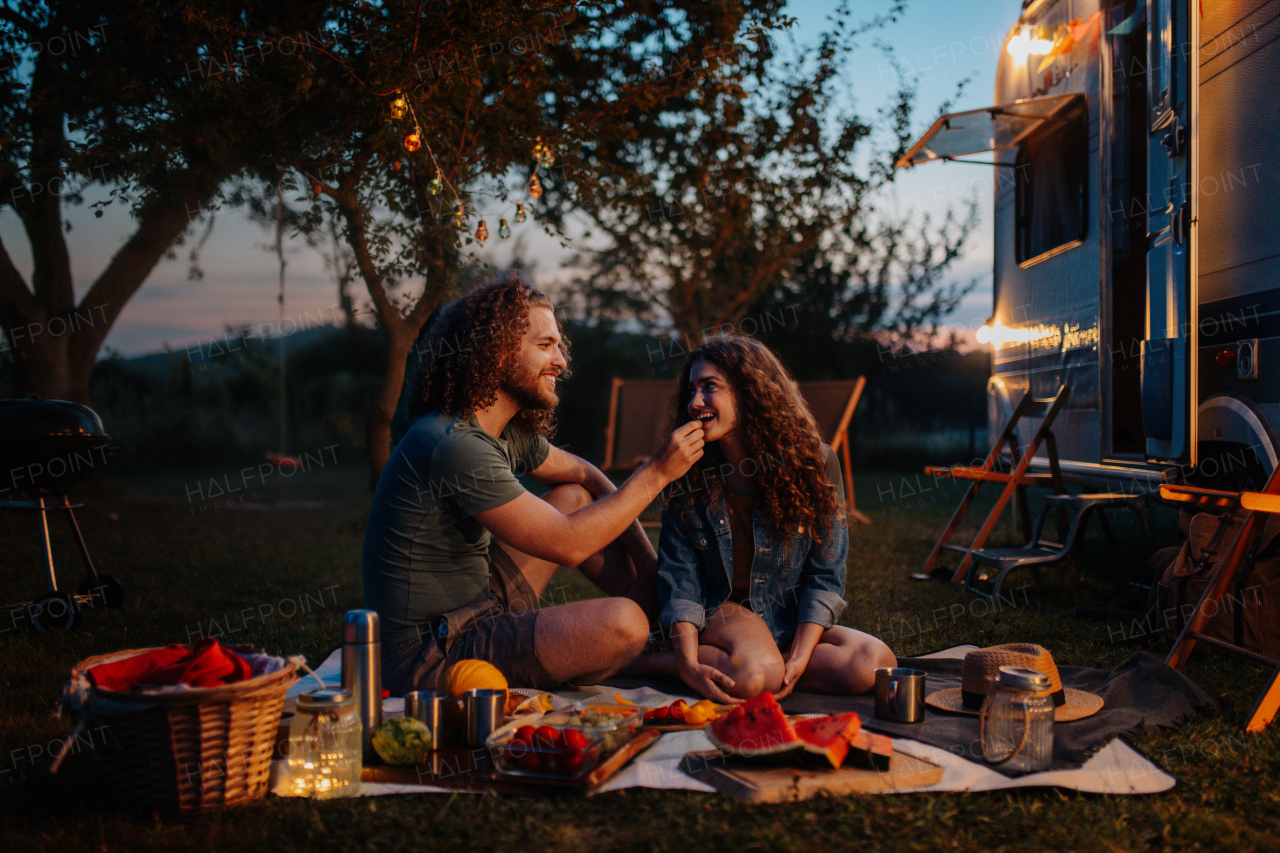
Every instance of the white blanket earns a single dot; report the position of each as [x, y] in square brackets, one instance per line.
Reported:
[1115, 769]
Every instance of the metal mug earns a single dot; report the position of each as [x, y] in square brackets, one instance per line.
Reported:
[428, 707]
[485, 711]
[900, 695]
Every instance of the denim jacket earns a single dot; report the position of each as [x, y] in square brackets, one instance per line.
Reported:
[789, 585]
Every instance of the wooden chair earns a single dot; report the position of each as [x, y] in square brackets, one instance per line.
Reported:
[1013, 481]
[640, 412]
[1255, 505]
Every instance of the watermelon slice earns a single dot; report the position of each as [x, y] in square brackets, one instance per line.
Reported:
[829, 736]
[871, 751]
[755, 728]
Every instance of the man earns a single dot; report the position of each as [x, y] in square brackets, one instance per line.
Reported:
[457, 552]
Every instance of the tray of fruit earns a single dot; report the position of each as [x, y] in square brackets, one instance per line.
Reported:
[565, 745]
[681, 716]
[545, 752]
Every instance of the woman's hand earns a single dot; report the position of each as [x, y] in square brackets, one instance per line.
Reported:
[707, 681]
[797, 657]
[793, 667]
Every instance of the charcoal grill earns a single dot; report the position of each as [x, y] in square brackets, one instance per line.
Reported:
[46, 447]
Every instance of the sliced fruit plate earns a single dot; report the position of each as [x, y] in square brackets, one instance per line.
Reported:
[759, 731]
[681, 716]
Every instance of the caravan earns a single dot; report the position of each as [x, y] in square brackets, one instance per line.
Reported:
[1136, 152]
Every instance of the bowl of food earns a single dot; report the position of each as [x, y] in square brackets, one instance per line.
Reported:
[545, 751]
[614, 724]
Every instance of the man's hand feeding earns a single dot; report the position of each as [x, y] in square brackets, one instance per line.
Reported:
[678, 453]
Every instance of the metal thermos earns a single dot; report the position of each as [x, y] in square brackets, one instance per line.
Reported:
[362, 670]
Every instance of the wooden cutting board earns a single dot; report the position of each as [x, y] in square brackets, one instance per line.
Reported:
[756, 784]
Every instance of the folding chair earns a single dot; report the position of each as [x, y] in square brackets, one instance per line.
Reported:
[640, 413]
[1042, 552]
[1255, 505]
[1014, 481]
[832, 403]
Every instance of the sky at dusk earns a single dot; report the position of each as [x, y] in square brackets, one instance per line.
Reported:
[940, 42]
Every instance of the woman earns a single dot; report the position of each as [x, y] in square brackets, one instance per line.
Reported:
[751, 560]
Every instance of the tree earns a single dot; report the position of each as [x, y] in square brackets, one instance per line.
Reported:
[517, 95]
[761, 198]
[162, 106]
[154, 105]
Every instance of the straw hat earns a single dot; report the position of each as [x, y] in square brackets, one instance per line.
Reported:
[978, 678]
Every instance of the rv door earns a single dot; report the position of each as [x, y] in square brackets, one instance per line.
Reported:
[1169, 348]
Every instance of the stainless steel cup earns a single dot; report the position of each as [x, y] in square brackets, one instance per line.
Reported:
[900, 695]
[484, 710]
[427, 706]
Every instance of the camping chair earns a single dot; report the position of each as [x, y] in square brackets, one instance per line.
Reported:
[832, 403]
[640, 412]
[1014, 481]
[1043, 552]
[1255, 505]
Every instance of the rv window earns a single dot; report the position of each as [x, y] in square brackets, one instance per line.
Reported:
[1050, 185]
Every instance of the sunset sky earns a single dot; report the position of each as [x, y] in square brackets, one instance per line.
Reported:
[939, 41]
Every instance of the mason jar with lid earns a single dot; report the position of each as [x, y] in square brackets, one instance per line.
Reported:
[324, 749]
[1016, 722]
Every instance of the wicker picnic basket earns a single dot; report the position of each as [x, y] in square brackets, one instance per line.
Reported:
[188, 751]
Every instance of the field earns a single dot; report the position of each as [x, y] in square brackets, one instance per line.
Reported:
[281, 564]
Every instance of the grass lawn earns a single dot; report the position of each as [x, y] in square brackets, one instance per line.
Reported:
[281, 566]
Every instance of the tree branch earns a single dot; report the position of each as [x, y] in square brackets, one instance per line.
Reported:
[17, 305]
[159, 227]
[51, 262]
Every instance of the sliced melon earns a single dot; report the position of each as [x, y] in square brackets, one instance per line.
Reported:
[829, 736]
[871, 751]
[755, 728]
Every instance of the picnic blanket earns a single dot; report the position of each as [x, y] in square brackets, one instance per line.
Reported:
[1104, 765]
[1142, 695]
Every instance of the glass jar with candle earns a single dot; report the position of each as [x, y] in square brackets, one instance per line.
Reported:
[1016, 722]
[324, 745]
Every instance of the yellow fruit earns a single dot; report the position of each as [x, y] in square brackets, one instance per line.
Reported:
[471, 674]
[701, 712]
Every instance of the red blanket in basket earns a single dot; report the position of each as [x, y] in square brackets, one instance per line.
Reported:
[206, 664]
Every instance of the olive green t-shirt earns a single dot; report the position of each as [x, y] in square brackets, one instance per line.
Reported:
[424, 553]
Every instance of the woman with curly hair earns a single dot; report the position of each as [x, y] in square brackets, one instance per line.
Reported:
[751, 559]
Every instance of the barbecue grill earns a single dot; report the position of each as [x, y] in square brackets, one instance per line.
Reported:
[46, 447]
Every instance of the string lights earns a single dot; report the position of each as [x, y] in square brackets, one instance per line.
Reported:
[543, 156]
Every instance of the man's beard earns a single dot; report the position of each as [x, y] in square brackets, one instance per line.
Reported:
[526, 389]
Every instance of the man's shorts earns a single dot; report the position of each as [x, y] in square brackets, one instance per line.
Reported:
[499, 630]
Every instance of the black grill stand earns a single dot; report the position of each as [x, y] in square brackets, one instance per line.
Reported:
[58, 610]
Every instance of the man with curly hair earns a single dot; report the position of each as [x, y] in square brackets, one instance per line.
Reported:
[457, 551]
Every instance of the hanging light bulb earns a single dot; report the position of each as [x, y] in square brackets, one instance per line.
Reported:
[395, 164]
[399, 107]
[535, 187]
[543, 154]
[482, 232]
[459, 216]
[521, 216]
[437, 184]
[412, 142]
[504, 230]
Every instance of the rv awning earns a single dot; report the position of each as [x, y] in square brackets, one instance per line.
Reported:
[997, 128]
